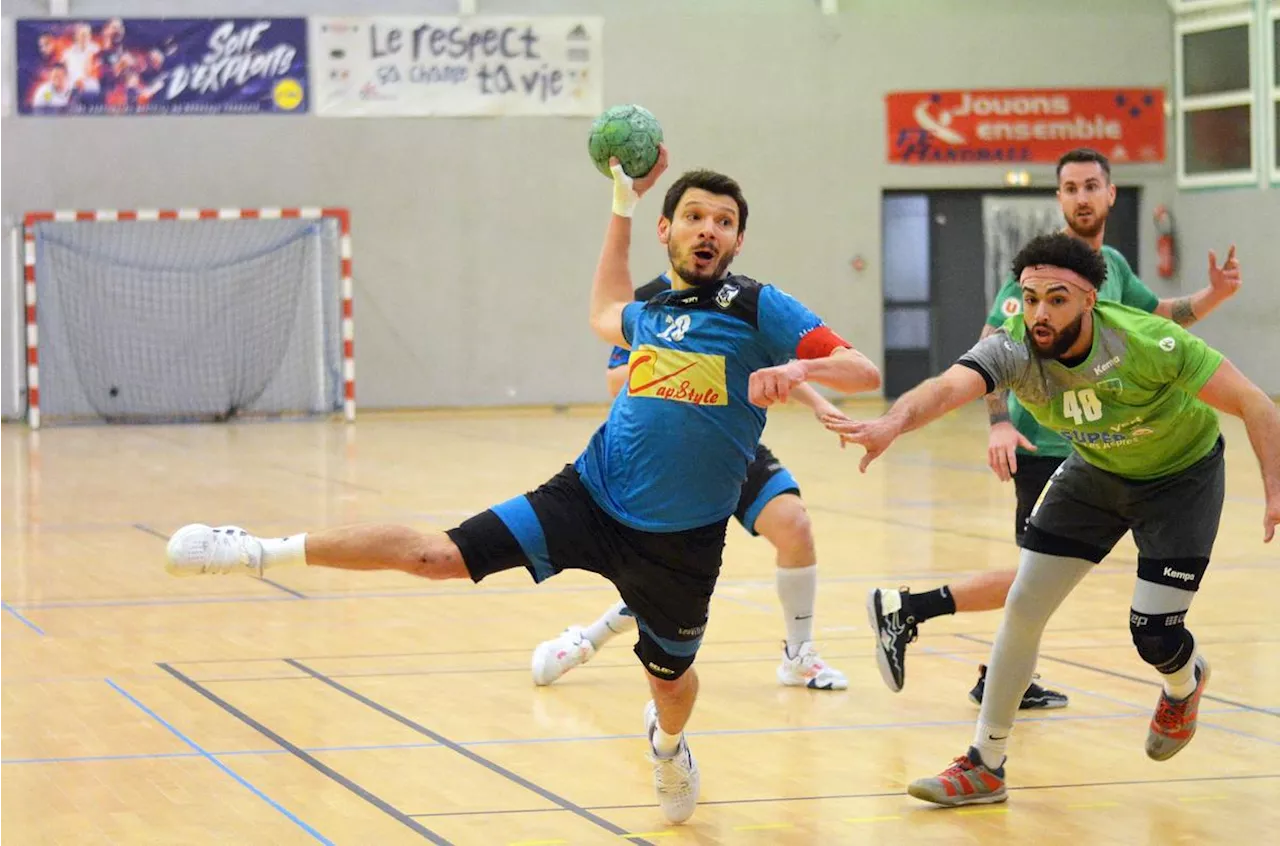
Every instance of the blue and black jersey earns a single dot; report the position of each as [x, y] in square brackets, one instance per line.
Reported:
[674, 451]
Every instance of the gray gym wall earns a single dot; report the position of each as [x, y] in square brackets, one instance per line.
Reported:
[475, 239]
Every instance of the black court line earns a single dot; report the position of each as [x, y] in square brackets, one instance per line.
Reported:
[880, 795]
[1148, 682]
[279, 586]
[142, 527]
[466, 753]
[307, 758]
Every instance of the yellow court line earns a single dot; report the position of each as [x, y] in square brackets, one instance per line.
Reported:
[872, 819]
[970, 812]
[763, 827]
[1094, 805]
[1200, 798]
[667, 833]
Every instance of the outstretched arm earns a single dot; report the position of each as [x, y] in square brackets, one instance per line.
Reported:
[611, 288]
[1229, 391]
[925, 402]
[1223, 283]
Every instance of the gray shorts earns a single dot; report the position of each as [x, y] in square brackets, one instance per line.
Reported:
[1174, 519]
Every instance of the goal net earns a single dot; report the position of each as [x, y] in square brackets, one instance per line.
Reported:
[187, 316]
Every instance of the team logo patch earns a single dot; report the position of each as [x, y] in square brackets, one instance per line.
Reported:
[676, 375]
[1167, 344]
[726, 294]
[1011, 306]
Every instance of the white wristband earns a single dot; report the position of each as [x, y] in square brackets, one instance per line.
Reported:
[625, 197]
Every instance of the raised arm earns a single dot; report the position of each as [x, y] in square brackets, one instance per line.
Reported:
[611, 289]
[1223, 283]
[1229, 391]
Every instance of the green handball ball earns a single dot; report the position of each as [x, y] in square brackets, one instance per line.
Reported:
[632, 134]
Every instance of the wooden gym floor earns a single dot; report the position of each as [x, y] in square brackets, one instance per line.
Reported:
[378, 709]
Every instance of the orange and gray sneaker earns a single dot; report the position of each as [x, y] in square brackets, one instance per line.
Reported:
[967, 781]
[1174, 722]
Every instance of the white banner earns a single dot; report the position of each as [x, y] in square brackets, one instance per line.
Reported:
[456, 67]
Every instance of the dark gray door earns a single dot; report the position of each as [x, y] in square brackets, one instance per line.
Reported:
[934, 268]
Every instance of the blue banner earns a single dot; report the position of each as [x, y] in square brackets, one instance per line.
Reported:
[166, 66]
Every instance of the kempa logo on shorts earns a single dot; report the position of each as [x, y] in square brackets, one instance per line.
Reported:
[694, 632]
[663, 670]
[1170, 573]
[1167, 344]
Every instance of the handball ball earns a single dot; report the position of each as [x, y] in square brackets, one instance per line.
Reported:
[632, 134]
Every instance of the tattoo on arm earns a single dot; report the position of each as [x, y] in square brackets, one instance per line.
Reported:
[1182, 313]
[998, 407]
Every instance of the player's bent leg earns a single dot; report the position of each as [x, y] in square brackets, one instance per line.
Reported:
[1175, 530]
[785, 523]
[198, 549]
[1157, 623]
[674, 686]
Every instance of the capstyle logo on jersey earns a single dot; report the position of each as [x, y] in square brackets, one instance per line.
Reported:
[676, 375]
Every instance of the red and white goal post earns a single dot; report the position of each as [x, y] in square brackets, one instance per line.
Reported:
[188, 314]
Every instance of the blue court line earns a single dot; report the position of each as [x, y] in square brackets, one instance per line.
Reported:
[213, 760]
[375, 747]
[307, 758]
[467, 753]
[21, 619]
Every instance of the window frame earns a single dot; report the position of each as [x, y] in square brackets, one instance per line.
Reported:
[1245, 17]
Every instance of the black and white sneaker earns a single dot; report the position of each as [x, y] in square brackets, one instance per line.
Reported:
[890, 617]
[1036, 698]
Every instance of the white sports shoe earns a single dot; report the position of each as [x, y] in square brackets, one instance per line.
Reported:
[198, 549]
[808, 670]
[553, 658]
[676, 778]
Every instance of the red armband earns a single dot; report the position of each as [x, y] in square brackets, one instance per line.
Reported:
[820, 342]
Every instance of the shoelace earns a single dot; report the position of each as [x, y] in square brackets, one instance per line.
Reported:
[960, 765]
[1170, 715]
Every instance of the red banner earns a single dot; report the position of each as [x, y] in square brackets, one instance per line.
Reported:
[1024, 126]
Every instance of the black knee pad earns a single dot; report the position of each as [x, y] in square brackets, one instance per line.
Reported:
[1162, 640]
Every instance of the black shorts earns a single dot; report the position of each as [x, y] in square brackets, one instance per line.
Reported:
[1033, 474]
[1174, 519]
[766, 479]
[666, 579]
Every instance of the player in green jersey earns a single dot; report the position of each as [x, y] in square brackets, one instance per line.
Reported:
[1135, 395]
[1021, 449]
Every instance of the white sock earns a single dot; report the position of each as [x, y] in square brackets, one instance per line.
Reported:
[284, 552]
[611, 624]
[665, 745]
[991, 742]
[797, 587]
[1182, 683]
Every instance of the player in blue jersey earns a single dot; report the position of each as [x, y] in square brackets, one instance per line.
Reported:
[769, 506]
[646, 504]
